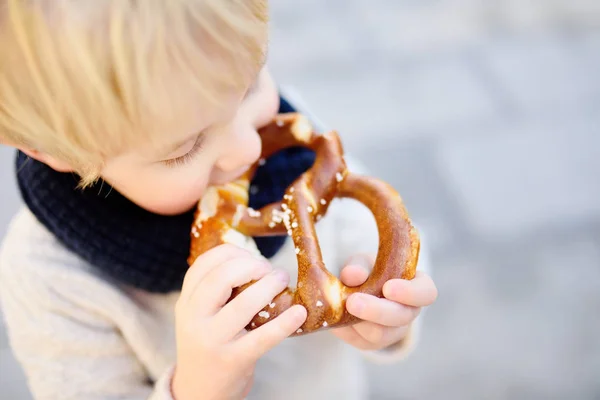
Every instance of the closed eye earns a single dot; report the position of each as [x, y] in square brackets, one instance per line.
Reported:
[187, 157]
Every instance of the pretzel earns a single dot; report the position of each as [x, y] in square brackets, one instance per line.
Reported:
[223, 216]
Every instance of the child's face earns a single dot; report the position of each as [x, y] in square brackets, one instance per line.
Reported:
[209, 146]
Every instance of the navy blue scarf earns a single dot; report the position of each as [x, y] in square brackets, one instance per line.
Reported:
[129, 244]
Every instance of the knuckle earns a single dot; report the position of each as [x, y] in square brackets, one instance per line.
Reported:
[259, 267]
[374, 312]
[267, 283]
[250, 299]
[266, 264]
[233, 250]
[244, 308]
[254, 266]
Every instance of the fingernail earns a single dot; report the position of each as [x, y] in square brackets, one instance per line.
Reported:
[299, 313]
[389, 288]
[357, 304]
[362, 262]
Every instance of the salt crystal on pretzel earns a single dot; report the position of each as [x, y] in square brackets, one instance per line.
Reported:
[223, 216]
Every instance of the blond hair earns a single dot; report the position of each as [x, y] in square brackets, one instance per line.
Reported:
[83, 80]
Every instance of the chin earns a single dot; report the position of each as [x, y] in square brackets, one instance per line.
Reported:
[171, 210]
[168, 207]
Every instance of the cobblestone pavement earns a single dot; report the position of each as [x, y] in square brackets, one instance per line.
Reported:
[486, 117]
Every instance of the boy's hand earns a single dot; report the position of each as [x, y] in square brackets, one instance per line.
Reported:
[215, 354]
[385, 320]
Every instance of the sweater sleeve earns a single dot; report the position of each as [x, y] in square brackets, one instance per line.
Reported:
[60, 329]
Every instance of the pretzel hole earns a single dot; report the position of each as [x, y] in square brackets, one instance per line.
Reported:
[346, 231]
[358, 236]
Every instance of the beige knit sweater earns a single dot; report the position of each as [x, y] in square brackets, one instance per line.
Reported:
[79, 335]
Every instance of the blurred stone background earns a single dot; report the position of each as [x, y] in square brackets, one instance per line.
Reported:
[485, 115]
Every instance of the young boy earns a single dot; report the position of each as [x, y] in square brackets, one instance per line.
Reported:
[123, 113]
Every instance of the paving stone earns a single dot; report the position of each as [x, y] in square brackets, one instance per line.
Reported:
[308, 36]
[422, 27]
[11, 379]
[409, 28]
[589, 47]
[409, 166]
[542, 75]
[391, 101]
[9, 200]
[570, 14]
[526, 176]
[4, 344]
[483, 340]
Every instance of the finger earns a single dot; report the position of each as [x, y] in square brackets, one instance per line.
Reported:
[354, 275]
[238, 313]
[364, 260]
[380, 336]
[215, 289]
[349, 335]
[380, 311]
[259, 341]
[206, 262]
[418, 292]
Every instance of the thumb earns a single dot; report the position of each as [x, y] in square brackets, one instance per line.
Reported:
[357, 270]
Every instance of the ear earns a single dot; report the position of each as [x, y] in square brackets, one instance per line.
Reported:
[53, 163]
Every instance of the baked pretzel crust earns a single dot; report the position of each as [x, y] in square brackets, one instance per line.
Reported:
[223, 216]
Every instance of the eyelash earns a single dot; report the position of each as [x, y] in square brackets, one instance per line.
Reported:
[187, 157]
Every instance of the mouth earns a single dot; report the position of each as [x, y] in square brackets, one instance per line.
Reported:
[239, 173]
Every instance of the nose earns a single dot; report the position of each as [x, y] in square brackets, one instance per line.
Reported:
[241, 150]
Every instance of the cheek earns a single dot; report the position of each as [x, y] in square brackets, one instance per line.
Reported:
[162, 191]
[174, 196]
